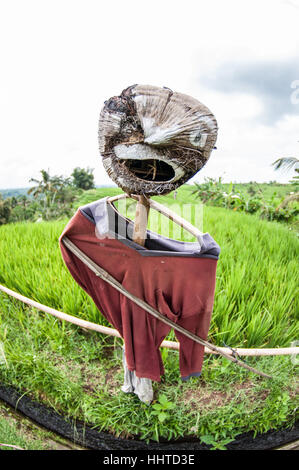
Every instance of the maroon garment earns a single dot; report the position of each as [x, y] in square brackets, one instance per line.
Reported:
[176, 278]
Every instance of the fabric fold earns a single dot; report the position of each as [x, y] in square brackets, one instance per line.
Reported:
[177, 279]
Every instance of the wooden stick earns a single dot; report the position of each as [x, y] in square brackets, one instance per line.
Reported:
[141, 218]
[12, 446]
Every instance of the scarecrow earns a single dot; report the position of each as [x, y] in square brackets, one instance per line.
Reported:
[152, 140]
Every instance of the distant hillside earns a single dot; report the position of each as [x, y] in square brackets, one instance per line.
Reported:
[268, 189]
[23, 191]
[13, 192]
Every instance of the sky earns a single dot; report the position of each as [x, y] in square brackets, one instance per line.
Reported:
[60, 60]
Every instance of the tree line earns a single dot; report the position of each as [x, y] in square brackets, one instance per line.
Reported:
[214, 192]
[50, 198]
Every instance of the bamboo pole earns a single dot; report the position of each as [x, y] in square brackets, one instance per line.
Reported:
[174, 345]
[141, 218]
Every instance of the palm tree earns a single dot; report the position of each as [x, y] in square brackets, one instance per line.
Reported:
[44, 185]
[55, 193]
[287, 163]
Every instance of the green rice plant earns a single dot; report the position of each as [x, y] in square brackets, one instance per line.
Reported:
[82, 381]
[79, 373]
[256, 301]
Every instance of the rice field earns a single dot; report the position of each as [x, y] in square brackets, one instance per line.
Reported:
[256, 297]
[80, 373]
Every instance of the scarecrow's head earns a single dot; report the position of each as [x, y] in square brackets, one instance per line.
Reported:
[153, 140]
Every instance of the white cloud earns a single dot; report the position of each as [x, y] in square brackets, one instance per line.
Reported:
[61, 59]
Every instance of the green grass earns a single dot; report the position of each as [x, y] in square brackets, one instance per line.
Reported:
[79, 373]
[268, 190]
[11, 437]
[17, 431]
[256, 301]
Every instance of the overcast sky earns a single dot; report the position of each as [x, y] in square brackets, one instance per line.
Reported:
[61, 59]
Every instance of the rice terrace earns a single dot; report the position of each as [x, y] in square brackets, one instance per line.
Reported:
[77, 373]
[149, 230]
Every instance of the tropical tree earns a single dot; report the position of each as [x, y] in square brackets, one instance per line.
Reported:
[5, 210]
[43, 185]
[83, 178]
[288, 163]
[55, 193]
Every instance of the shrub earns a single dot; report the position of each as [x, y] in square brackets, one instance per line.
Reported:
[213, 192]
